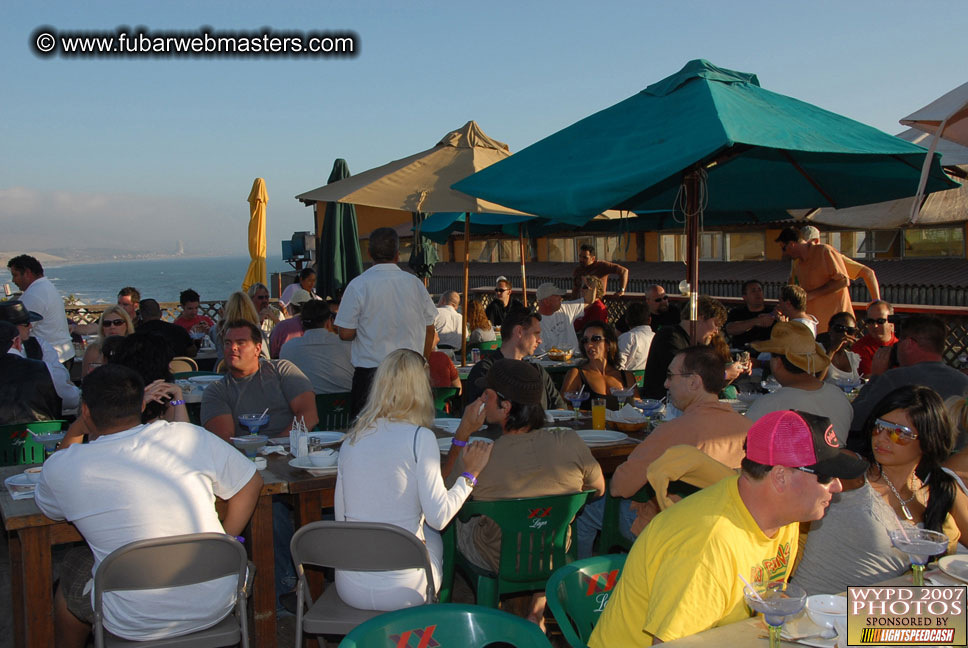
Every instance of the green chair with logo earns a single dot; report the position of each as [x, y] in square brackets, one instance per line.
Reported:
[489, 345]
[442, 399]
[18, 447]
[333, 411]
[533, 543]
[577, 594]
[446, 624]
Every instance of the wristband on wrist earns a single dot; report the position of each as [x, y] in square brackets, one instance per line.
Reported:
[240, 539]
[176, 403]
[457, 442]
[470, 478]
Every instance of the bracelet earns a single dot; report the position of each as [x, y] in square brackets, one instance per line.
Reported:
[457, 442]
[469, 477]
[176, 403]
[241, 539]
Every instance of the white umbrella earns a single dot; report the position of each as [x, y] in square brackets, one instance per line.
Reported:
[945, 118]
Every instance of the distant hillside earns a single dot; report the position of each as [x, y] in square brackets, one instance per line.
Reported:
[43, 257]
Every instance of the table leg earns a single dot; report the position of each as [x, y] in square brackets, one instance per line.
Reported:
[15, 557]
[263, 604]
[36, 580]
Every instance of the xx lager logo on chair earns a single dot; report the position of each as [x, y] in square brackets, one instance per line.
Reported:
[600, 586]
[536, 516]
[416, 638]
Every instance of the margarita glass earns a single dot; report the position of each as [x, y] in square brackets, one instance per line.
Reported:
[777, 602]
[576, 398]
[919, 545]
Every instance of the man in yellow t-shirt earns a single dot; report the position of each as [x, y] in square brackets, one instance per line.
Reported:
[682, 575]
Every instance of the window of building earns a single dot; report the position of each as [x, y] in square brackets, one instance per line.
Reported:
[880, 244]
[934, 242]
[745, 246]
[562, 249]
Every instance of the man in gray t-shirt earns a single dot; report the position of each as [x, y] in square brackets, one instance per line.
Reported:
[253, 385]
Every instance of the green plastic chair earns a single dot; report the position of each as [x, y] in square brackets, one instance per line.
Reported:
[17, 447]
[333, 411]
[639, 377]
[490, 345]
[442, 396]
[577, 594]
[533, 532]
[182, 375]
[446, 624]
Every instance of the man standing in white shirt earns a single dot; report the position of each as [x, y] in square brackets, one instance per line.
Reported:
[448, 322]
[382, 310]
[633, 345]
[40, 296]
[557, 319]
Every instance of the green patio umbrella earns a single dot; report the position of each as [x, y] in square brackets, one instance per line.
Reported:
[423, 254]
[338, 256]
[716, 142]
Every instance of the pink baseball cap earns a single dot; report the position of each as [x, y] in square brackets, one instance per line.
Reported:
[801, 440]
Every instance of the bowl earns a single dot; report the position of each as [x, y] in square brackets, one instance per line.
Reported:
[33, 474]
[825, 609]
[560, 355]
[323, 458]
[649, 405]
[627, 427]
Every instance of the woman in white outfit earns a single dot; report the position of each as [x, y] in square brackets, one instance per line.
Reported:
[389, 471]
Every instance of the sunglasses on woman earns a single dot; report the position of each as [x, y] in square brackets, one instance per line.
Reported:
[843, 328]
[594, 338]
[117, 322]
[899, 434]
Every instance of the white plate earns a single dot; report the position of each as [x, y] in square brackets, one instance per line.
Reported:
[448, 425]
[19, 483]
[444, 444]
[560, 415]
[803, 626]
[205, 380]
[955, 566]
[602, 437]
[327, 438]
[305, 464]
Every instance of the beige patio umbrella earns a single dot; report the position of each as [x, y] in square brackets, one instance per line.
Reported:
[258, 199]
[421, 183]
[945, 118]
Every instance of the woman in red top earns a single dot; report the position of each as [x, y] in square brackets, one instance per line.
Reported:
[592, 291]
[443, 373]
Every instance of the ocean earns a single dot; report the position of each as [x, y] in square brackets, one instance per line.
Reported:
[213, 278]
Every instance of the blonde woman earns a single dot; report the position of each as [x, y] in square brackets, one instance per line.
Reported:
[592, 291]
[389, 471]
[239, 307]
[114, 321]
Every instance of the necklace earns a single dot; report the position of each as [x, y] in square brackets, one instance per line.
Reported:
[904, 502]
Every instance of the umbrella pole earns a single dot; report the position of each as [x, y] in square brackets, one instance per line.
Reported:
[524, 280]
[467, 281]
[691, 185]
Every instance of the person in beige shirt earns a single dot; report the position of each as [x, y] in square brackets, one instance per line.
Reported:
[821, 272]
[694, 381]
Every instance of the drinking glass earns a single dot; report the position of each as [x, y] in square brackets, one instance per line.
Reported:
[624, 395]
[576, 399]
[252, 422]
[919, 545]
[598, 413]
[776, 601]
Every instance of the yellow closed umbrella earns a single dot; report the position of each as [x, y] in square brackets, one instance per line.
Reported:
[258, 198]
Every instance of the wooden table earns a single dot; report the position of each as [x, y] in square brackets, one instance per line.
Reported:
[31, 534]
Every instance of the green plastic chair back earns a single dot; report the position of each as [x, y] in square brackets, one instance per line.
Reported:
[182, 375]
[333, 411]
[490, 345]
[445, 624]
[639, 377]
[533, 537]
[610, 535]
[577, 594]
[442, 396]
[17, 447]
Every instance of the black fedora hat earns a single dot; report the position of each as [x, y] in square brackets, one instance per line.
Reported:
[15, 312]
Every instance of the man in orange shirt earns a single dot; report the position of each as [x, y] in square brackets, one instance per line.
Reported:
[821, 272]
[855, 269]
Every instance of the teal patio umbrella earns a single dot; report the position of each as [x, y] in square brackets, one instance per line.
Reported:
[714, 141]
[338, 256]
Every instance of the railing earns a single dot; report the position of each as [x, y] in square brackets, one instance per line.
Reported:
[91, 313]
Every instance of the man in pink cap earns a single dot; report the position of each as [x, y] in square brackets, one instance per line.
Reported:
[683, 573]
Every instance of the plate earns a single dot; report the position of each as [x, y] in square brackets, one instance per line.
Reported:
[803, 626]
[448, 425]
[327, 438]
[955, 566]
[205, 380]
[444, 444]
[305, 464]
[602, 437]
[560, 415]
[19, 484]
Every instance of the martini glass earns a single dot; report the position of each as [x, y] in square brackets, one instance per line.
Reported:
[777, 602]
[576, 398]
[252, 422]
[919, 545]
[623, 394]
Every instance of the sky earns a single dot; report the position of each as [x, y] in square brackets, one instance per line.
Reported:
[135, 153]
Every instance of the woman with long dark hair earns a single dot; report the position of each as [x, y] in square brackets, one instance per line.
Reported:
[599, 374]
[908, 436]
